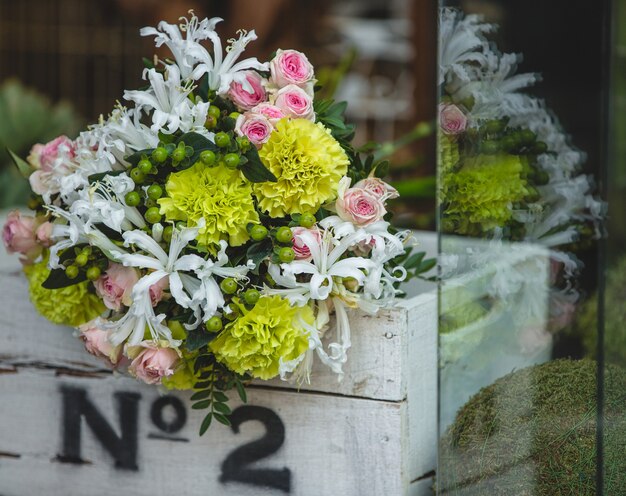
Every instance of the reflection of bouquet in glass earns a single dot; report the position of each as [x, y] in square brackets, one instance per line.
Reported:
[507, 169]
[204, 237]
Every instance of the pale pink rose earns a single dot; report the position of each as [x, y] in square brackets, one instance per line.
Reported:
[156, 290]
[290, 67]
[451, 119]
[97, 343]
[115, 286]
[44, 234]
[272, 112]
[244, 99]
[295, 102]
[357, 205]
[53, 161]
[256, 127]
[154, 363]
[302, 250]
[377, 187]
[18, 236]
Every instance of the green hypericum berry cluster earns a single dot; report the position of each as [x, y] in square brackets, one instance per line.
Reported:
[494, 136]
[88, 261]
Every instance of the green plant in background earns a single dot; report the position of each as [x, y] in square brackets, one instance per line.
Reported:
[533, 433]
[27, 117]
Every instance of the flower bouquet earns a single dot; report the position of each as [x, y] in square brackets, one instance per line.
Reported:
[205, 234]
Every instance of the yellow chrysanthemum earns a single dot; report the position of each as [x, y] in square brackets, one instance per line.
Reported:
[73, 305]
[256, 341]
[308, 163]
[220, 196]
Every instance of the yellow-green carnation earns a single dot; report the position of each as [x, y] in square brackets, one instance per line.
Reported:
[73, 305]
[308, 163]
[220, 196]
[256, 341]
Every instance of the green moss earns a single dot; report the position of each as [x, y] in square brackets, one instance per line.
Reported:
[533, 433]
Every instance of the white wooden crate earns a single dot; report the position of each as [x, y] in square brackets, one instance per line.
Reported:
[374, 433]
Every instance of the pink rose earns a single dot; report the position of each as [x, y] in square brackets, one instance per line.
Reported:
[115, 286]
[44, 234]
[295, 102]
[357, 205]
[18, 236]
[97, 342]
[451, 119]
[156, 290]
[53, 161]
[290, 67]
[300, 248]
[245, 99]
[256, 127]
[153, 363]
[377, 187]
[272, 112]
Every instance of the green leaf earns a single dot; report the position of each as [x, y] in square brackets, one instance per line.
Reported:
[220, 396]
[242, 391]
[199, 144]
[198, 338]
[414, 260]
[202, 405]
[57, 279]
[259, 252]
[222, 408]
[254, 170]
[21, 164]
[222, 419]
[206, 423]
[101, 175]
[200, 395]
[426, 265]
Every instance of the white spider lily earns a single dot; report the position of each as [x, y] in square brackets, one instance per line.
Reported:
[210, 292]
[167, 98]
[172, 36]
[193, 118]
[222, 71]
[125, 125]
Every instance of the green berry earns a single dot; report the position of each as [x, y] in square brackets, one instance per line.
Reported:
[307, 220]
[284, 235]
[71, 272]
[258, 233]
[87, 250]
[222, 139]
[234, 115]
[214, 112]
[210, 123]
[494, 126]
[178, 155]
[286, 255]
[93, 273]
[155, 192]
[153, 215]
[145, 166]
[243, 142]
[132, 199]
[159, 155]
[81, 259]
[214, 324]
[527, 136]
[229, 285]
[137, 176]
[231, 160]
[489, 147]
[251, 296]
[207, 157]
[167, 233]
[540, 147]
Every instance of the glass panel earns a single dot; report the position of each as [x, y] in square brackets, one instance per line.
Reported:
[520, 152]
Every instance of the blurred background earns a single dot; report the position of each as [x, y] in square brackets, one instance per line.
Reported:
[63, 63]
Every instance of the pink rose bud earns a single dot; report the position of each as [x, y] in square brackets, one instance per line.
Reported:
[377, 187]
[256, 127]
[52, 160]
[97, 342]
[156, 290]
[44, 234]
[245, 99]
[153, 363]
[18, 236]
[451, 119]
[272, 112]
[300, 248]
[295, 102]
[290, 67]
[115, 286]
[357, 205]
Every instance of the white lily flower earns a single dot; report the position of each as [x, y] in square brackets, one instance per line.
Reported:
[167, 98]
[222, 71]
